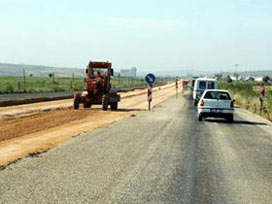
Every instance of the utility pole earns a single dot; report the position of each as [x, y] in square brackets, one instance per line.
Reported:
[24, 78]
[236, 71]
[53, 78]
[236, 67]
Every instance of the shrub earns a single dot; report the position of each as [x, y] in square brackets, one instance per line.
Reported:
[266, 79]
[229, 80]
[10, 88]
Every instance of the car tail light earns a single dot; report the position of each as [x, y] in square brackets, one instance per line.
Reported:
[201, 103]
[231, 104]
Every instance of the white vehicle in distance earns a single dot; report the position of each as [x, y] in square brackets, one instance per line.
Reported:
[201, 84]
[216, 103]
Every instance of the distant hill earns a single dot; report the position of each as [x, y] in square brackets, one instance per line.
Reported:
[7, 69]
[38, 71]
[260, 73]
[257, 73]
[180, 73]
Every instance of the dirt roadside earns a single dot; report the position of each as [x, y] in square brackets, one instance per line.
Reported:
[31, 109]
[69, 122]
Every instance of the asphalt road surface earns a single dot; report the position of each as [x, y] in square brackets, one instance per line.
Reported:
[22, 96]
[162, 156]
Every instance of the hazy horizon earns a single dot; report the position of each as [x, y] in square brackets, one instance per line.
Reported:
[152, 35]
[178, 72]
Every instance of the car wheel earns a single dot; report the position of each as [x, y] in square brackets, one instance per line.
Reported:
[195, 102]
[230, 118]
[87, 105]
[200, 118]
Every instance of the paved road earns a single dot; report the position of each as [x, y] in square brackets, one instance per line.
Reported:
[164, 156]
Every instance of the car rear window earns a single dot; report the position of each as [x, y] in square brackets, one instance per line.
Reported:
[217, 95]
[202, 85]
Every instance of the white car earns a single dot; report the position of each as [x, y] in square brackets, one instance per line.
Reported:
[216, 103]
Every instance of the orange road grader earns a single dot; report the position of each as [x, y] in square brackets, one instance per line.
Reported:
[97, 89]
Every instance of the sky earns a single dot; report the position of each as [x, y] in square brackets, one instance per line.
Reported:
[152, 35]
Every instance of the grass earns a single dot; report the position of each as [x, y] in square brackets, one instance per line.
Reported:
[38, 84]
[247, 95]
[46, 84]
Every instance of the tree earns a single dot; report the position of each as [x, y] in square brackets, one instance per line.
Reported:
[31, 75]
[51, 75]
[236, 76]
[229, 80]
[266, 78]
[219, 76]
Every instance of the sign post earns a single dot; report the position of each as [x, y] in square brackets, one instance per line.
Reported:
[262, 93]
[149, 95]
[184, 86]
[177, 86]
[150, 79]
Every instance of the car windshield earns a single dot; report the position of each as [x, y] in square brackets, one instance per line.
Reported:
[218, 95]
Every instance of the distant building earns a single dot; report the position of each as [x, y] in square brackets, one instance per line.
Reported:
[250, 78]
[259, 79]
[189, 75]
[129, 72]
[237, 78]
[116, 74]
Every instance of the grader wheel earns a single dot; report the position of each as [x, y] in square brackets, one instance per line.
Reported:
[76, 101]
[114, 106]
[105, 102]
[87, 105]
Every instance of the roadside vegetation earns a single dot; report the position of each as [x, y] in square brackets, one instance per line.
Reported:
[56, 84]
[38, 84]
[247, 95]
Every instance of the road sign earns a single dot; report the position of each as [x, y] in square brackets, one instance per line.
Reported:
[150, 78]
[184, 84]
[262, 92]
[149, 95]
[177, 87]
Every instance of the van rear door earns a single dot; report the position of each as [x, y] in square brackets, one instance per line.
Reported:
[211, 85]
[202, 86]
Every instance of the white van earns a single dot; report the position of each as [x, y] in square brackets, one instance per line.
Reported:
[201, 84]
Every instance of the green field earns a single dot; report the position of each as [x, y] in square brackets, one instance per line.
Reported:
[46, 84]
[247, 95]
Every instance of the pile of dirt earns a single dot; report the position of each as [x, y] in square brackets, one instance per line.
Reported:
[18, 127]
